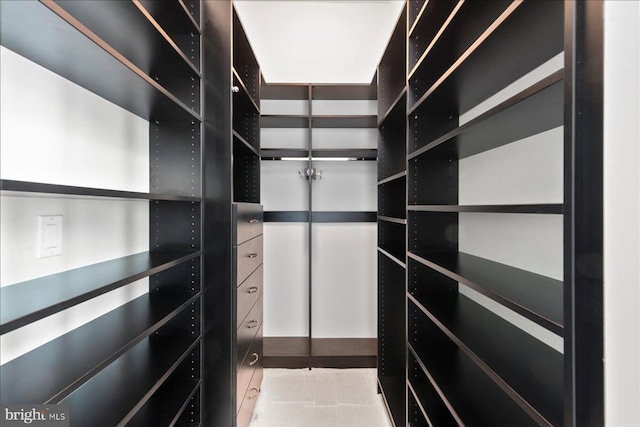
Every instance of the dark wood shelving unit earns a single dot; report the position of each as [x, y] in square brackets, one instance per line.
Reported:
[392, 223]
[467, 365]
[166, 407]
[109, 367]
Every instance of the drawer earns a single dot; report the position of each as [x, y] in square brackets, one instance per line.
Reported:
[247, 331]
[247, 294]
[246, 371]
[248, 258]
[246, 409]
[247, 218]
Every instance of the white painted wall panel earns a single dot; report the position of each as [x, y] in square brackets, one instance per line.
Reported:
[284, 138]
[286, 274]
[345, 138]
[622, 212]
[322, 107]
[344, 280]
[346, 186]
[284, 107]
[282, 189]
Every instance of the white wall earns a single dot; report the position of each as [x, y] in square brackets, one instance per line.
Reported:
[54, 131]
[622, 213]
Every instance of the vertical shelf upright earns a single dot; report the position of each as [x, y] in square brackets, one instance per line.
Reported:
[392, 223]
[140, 363]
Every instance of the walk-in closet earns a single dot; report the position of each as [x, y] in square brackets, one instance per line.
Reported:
[333, 213]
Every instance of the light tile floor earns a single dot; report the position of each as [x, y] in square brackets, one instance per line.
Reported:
[319, 398]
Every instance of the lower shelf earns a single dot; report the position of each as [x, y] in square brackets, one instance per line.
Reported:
[394, 391]
[167, 404]
[114, 395]
[470, 393]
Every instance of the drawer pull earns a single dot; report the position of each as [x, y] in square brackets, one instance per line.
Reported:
[252, 324]
[256, 357]
[255, 391]
[252, 290]
[252, 255]
[253, 221]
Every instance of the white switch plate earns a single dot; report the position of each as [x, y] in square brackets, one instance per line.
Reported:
[49, 235]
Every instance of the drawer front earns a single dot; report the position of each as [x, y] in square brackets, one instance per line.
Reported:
[247, 370]
[246, 409]
[247, 294]
[248, 220]
[247, 331]
[248, 258]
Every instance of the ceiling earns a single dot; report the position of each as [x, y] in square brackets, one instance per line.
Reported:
[318, 41]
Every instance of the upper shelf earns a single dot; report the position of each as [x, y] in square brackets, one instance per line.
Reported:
[50, 36]
[395, 115]
[535, 109]
[243, 96]
[26, 302]
[302, 121]
[536, 297]
[174, 16]
[126, 326]
[53, 189]
[481, 71]
[552, 209]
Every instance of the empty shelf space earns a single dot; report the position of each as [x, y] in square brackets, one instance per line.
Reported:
[40, 31]
[471, 395]
[337, 92]
[395, 116]
[166, 405]
[536, 297]
[66, 368]
[242, 98]
[344, 121]
[393, 391]
[35, 299]
[430, 403]
[37, 188]
[392, 219]
[284, 121]
[527, 34]
[117, 392]
[391, 257]
[288, 91]
[399, 175]
[527, 370]
[550, 208]
[416, 9]
[536, 109]
[173, 16]
[238, 139]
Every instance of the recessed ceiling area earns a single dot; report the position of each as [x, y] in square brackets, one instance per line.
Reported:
[316, 41]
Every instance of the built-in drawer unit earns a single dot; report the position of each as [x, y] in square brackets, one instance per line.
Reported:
[248, 272]
[248, 258]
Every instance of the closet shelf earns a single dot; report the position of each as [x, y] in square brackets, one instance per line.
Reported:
[284, 121]
[173, 16]
[288, 91]
[392, 178]
[44, 33]
[237, 137]
[117, 392]
[344, 121]
[533, 110]
[342, 92]
[549, 208]
[450, 35]
[536, 297]
[37, 188]
[395, 116]
[166, 405]
[319, 154]
[26, 302]
[392, 219]
[475, 75]
[136, 23]
[392, 258]
[416, 10]
[528, 371]
[431, 403]
[66, 369]
[471, 396]
[246, 102]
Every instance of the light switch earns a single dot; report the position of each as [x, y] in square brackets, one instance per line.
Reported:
[50, 235]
